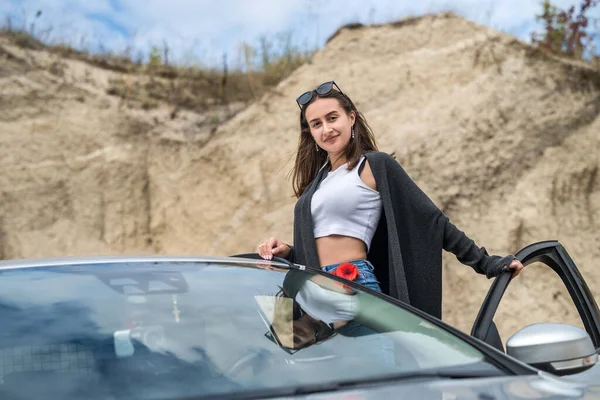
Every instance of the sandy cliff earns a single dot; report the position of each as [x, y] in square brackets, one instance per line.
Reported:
[504, 138]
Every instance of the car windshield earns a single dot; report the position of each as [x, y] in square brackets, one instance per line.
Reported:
[168, 330]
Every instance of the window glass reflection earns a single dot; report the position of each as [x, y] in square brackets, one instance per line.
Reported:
[181, 329]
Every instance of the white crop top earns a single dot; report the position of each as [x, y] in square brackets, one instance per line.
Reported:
[344, 205]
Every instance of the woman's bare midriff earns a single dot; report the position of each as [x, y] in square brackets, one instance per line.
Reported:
[334, 249]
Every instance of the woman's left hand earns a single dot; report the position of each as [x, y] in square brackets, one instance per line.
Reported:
[516, 267]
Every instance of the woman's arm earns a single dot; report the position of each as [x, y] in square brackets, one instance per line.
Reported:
[454, 240]
[468, 253]
[274, 247]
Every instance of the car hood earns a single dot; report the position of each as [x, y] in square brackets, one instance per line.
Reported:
[542, 386]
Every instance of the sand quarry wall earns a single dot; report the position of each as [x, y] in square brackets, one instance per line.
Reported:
[505, 139]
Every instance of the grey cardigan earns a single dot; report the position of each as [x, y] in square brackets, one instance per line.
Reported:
[407, 247]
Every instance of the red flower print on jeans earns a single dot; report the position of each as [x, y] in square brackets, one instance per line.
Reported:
[346, 270]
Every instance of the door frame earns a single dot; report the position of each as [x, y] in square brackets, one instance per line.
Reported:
[555, 256]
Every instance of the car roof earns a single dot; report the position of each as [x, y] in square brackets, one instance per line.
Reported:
[127, 259]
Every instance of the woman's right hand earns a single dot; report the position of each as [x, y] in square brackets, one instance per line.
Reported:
[273, 246]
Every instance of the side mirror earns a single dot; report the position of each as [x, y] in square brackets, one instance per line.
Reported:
[556, 348]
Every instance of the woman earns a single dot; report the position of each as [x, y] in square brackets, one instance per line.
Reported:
[358, 204]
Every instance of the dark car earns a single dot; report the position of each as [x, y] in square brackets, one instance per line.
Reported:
[158, 327]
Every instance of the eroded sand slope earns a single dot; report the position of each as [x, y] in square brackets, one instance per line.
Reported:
[503, 138]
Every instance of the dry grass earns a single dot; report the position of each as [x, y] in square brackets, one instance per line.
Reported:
[192, 88]
[181, 86]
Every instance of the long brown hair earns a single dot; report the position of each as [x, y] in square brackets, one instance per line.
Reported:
[309, 161]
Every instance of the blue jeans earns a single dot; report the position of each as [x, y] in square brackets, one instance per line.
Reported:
[375, 347]
[366, 275]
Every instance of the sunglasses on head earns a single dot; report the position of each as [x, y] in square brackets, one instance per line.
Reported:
[322, 89]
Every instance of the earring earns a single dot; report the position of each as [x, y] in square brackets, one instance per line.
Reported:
[316, 146]
[352, 132]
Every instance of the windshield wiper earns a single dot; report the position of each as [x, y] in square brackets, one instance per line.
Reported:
[355, 383]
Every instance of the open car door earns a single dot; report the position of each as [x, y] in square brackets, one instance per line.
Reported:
[553, 255]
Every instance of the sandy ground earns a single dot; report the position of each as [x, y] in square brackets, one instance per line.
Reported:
[503, 138]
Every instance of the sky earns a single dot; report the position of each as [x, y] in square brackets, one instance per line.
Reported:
[203, 30]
